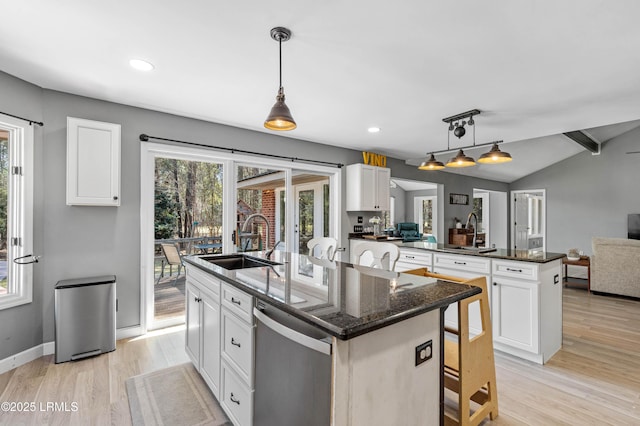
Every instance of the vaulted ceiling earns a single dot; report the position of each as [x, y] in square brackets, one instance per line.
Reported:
[535, 69]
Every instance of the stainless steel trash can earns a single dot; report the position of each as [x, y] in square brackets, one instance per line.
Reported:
[85, 317]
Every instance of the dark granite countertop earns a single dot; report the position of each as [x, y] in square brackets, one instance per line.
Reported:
[342, 299]
[506, 254]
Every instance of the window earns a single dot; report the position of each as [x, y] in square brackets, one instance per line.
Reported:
[16, 211]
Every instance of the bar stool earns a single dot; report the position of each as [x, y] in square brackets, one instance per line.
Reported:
[469, 364]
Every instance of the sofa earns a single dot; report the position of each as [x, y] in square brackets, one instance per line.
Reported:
[615, 266]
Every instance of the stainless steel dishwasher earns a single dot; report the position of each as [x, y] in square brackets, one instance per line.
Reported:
[292, 370]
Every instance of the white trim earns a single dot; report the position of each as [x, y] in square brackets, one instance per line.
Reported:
[15, 361]
[129, 332]
[20, 212]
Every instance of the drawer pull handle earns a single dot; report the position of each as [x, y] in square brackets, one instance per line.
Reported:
[236, 301]
[514, 270]
[410, 257]
[234, 343]
[237, 401]
[460, 263]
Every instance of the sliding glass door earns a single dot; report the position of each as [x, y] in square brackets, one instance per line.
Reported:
[198, 201]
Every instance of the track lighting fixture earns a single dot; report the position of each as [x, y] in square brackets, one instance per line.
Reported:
[280, 117]
[457, 126]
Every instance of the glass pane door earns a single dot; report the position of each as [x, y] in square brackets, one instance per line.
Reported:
[187, 220]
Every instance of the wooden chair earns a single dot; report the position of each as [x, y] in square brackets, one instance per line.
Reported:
[469, 364]
[322, 247]
[385, 255]
[173, 258]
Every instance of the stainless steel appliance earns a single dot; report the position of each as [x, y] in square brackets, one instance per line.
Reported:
[85, 317]
[292, 370]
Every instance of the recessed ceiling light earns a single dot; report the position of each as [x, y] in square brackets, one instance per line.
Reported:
[141, 65]
[373, 129]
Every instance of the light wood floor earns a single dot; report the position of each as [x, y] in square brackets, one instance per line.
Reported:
[593, 380]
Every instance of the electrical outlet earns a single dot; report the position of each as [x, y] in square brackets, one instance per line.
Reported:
[424, 352]
[359, 219]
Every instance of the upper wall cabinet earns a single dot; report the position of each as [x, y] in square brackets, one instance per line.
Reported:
[93, 163]
[367, 188]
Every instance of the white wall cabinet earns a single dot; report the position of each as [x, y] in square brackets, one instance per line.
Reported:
[367, 188]
[202, 342]
[93, 163]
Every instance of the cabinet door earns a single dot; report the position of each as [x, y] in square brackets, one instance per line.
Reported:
[192, 337]
[383, 177]
[210, 361]
[93, 163]
[515, 313]
[368, 184]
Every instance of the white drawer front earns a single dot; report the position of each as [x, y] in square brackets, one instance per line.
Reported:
[236, 397]
[238, 302]
[237, 345]
[462, 263]
[204, 281]
[420, 258]
[519, 270]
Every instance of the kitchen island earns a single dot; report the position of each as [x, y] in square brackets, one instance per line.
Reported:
[524, 286]
[385, 331]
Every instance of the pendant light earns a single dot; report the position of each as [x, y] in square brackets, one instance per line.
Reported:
[495, 156]
[280, 117]
[431, 164]
[461, 160]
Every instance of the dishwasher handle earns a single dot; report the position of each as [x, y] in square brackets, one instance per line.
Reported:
[293, 335]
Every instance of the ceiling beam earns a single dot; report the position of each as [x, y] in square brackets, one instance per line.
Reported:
[584, 140]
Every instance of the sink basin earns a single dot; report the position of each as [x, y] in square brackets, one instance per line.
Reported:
[238, 261]
[478, 250]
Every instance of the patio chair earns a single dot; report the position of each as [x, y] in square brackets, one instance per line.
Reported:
[172, 257]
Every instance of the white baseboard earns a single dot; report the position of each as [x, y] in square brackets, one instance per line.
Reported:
[24, 357]
[49, 348]
[128, 332]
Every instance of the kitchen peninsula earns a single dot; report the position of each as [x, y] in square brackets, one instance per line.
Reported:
[383, 331]
[522, 285]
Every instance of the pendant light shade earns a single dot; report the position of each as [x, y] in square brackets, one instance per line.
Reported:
[495, 156]
[461, 160]
[431, 164]
[280, 117]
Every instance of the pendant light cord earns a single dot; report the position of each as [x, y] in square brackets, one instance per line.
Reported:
[280, 50]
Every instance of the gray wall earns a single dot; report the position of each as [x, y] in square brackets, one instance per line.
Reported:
[590, 195]
[86, 241]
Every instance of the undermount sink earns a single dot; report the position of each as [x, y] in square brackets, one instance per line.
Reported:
[478, 250]
[238, 261]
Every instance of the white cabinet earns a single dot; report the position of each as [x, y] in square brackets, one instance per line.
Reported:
[527, 309]
[413, 259]
[237, 353]
[367, 188]
[93, 163]
[202, 342]
[464, 267]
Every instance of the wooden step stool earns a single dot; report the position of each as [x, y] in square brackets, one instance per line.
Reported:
[469, 365]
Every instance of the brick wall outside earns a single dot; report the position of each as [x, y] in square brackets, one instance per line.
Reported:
[269, 211]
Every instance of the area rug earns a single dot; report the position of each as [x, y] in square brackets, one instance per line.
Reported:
[173, 396]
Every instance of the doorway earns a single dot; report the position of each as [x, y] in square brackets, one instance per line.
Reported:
[528, 213]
